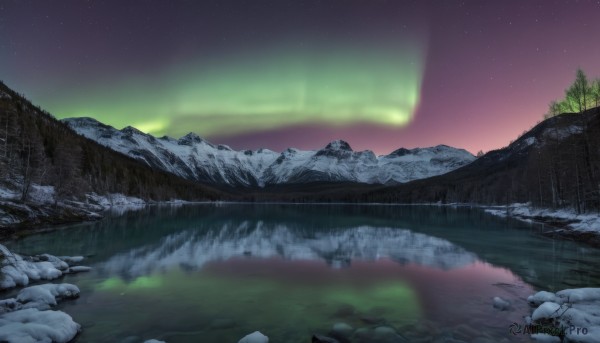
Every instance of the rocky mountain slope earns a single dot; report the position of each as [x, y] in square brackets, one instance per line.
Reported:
[194, 158]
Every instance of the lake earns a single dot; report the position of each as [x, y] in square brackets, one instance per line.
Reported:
[216, 272]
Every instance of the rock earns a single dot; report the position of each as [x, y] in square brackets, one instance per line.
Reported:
[501, 304]
[342, 329]
[384, 331]
[323, 339]
[154, 341]
[255, 337]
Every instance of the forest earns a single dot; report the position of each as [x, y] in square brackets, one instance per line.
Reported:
[36, 148]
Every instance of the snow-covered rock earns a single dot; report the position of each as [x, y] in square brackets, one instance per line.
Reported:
[589, 222]
[575, 311]
[33, 325]
[196, 159]
[28, 318]
[47, 295]
[541, 297]
[255, 337]
[16, 270]
[501, 304]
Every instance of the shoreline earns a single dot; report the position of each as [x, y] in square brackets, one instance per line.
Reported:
[561, 224]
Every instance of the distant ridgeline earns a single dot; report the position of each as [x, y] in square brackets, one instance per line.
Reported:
[35, 148]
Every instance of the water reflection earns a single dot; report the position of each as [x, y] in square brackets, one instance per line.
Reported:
[191, 249]
[213, 274]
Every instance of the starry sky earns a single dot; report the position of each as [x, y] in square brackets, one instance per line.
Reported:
[279, 73]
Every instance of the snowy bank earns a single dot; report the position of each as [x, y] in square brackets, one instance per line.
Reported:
[575, 313]
[17, 270]
[28, 318]
[570, 223]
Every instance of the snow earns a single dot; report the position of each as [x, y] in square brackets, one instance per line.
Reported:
[580, 222]
[563, 132]
[255, 337]
[71, 259]
[576, 311]
[193, 158]
[44, 296]
[113, 200]
[6, 193]
[529, 141]
[541, 297]
[27, 317]
[42, 194]
[501, 304]
[33, 325]
[16, 270]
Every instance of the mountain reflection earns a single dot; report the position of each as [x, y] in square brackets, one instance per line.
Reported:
[191, 249]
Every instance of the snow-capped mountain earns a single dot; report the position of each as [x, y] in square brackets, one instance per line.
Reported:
[194, 158]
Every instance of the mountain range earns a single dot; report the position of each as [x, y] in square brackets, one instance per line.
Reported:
[556, 164]
[194, 158]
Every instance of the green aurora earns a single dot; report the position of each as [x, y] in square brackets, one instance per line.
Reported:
[268, 303]
[260, 91]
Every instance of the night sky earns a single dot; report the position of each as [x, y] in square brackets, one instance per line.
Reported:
[378, 74]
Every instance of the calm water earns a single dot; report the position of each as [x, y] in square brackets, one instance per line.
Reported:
[207, 273]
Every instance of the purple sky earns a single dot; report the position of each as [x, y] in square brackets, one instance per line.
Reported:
[489, 68]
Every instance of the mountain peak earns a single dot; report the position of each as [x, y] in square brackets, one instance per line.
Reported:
[338, 145]
[190, 139]
[400, 152]
[83, 122]
[131, 130]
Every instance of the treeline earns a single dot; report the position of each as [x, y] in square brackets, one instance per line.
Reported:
[555, 165]
[35, 148]
[579, 96]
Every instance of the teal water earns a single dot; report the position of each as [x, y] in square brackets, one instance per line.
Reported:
[206, 273]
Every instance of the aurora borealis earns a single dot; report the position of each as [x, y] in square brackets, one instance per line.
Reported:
[379, 74]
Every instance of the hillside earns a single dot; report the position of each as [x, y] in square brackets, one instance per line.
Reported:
[554, 165]
[39, 154]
